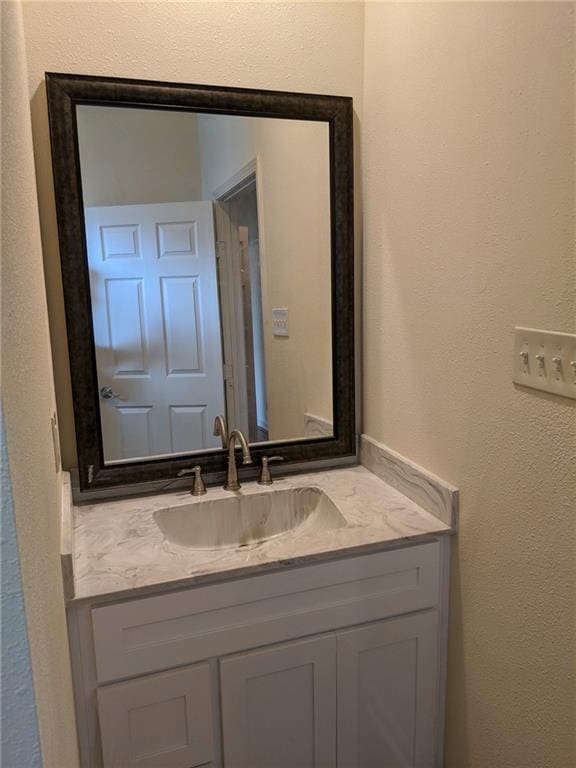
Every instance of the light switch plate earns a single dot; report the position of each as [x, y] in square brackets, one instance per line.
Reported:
[545, 360]
[280, 321]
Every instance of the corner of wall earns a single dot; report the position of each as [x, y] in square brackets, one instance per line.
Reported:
[29, 405]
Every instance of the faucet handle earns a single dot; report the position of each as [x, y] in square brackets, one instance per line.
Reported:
[265, 476]
[198, 487]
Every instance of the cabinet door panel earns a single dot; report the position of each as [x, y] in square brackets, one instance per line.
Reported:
[279, 706]
[387, 693]
[158, 721]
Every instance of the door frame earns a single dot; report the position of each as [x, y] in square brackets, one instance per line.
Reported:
[231, 301]
[249, 347]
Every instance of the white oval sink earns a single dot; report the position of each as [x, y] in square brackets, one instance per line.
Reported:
[241, 520]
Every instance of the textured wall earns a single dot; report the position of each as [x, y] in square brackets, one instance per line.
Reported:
[313, 47]
[28, 401]
[468, 157]
[19, 725]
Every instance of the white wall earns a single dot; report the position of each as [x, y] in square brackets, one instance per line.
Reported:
[294, 224]
[130, 156]
[468, 157]
[296, 273]
[28, 402]
[307, 47]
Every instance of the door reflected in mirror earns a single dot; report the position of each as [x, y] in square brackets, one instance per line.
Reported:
[209, 252]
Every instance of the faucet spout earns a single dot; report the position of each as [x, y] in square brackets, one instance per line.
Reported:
[236, 436]
[221, 431]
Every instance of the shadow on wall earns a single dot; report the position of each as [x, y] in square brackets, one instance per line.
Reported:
[53, 277]
[20, 739]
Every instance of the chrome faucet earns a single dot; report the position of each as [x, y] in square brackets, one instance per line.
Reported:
[232, 483]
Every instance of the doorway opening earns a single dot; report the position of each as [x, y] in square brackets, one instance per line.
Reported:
[240, 288]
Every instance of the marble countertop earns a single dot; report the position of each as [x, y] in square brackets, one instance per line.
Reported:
[119, 551]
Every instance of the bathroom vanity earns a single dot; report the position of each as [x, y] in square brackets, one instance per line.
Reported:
[323, 644]
[207, 253]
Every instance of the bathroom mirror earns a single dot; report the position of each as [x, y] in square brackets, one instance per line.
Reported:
[207, 262]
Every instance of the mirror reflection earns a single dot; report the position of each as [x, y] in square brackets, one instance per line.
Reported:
[208, 240]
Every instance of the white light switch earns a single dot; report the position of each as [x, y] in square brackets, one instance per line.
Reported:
[545, 360]
[280, 321]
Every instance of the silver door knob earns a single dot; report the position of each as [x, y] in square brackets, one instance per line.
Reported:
[107, 393]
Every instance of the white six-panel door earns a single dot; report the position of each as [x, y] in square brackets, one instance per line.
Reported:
[156, 316]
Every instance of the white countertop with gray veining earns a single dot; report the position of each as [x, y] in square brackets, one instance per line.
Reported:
[119, 551]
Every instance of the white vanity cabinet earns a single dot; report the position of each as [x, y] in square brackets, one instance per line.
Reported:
[334, 665]
[363, 698]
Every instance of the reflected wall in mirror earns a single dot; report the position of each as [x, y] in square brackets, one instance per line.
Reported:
[208, 240]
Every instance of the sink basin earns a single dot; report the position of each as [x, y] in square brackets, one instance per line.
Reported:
[241, 520]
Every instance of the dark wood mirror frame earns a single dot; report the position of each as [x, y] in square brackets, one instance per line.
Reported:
[64, 92]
